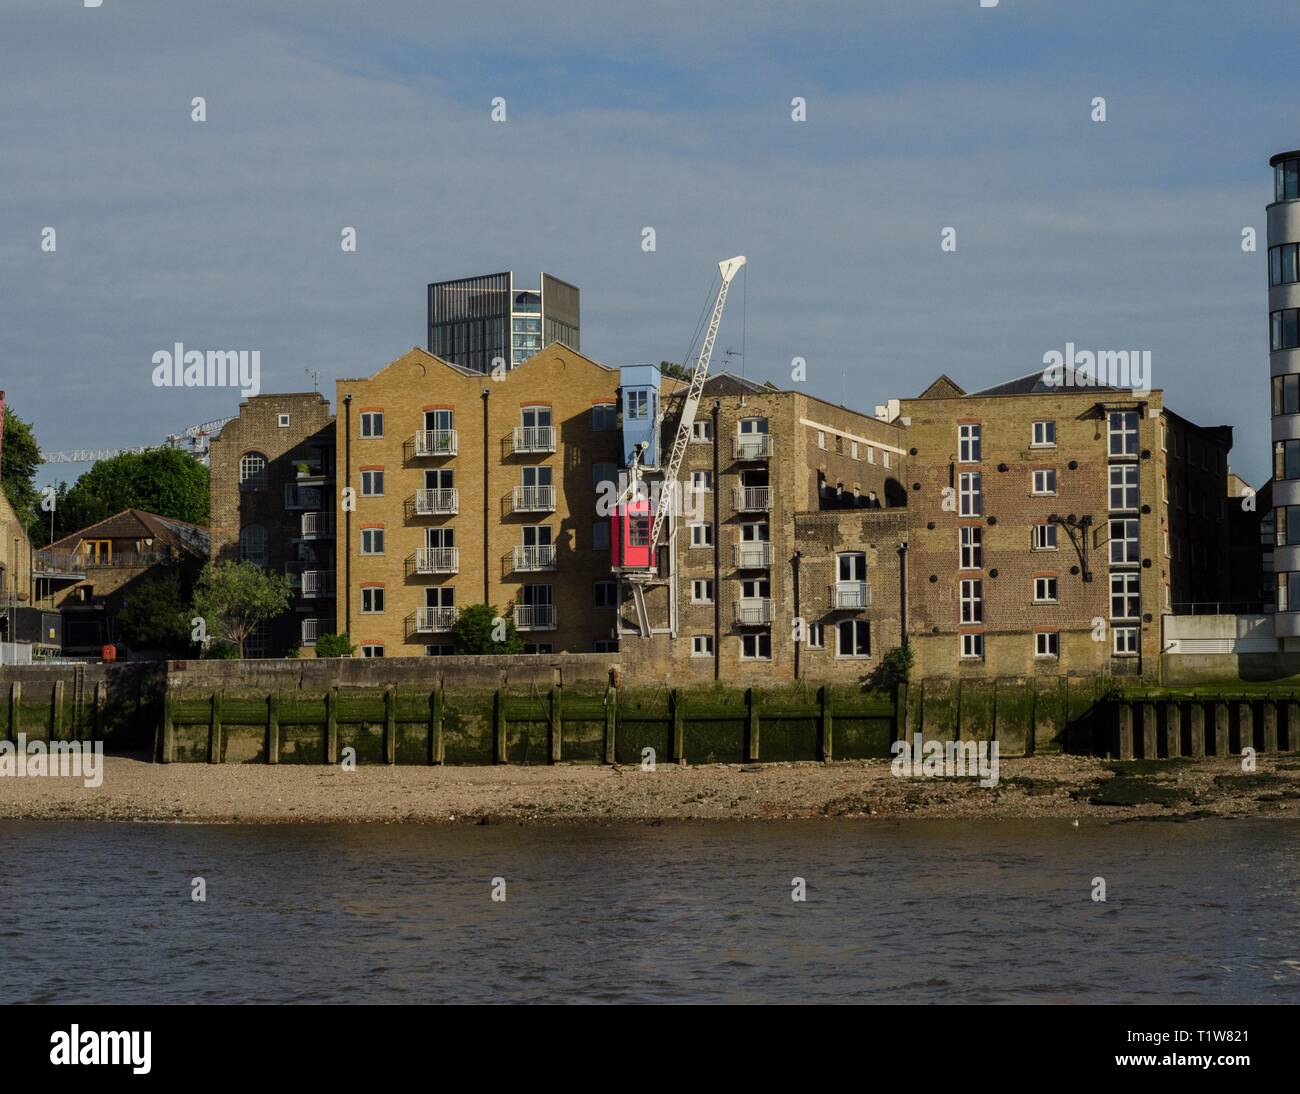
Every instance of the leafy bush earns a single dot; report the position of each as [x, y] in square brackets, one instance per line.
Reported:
[479, 629]
[334, 645]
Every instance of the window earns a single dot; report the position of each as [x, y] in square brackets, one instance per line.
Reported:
[1286, 525]
[1125, 641]
[372, 649]
[1044, 481]
[701, 535]
[971, 502]
[638, 405]
[604, 417]
[702, 645]
[1046, 644]
[1286, 459]
[1124, 486]
[1044, 435]
[1044, 590]
[372, 541]
[444, 650]
[638, 534]
[605, 645]
[372, 423]
[1123, 432]
[702, 481]
[252, 471]
[972, 600]
[816, 636]
[968, 444]
[602, 473]
[605, 594]
[884, 458]
[600, 537]
[284, 421]
[372, 483]
[756, 647]
[853, 450]
[1124, 542]
[1286, 180]
[372, 599]
[854, 638]
[252, 544]
[852, 566]
[1282, 329]
[702, 591]
[821, 438]
[1044, 537]
[1125, 603]
[702, 431]
[1286, 394]
[972, 547]
[972, 647]
[539, 647]
[871, 454]
[1288, 591]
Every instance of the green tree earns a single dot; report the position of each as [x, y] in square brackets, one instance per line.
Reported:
[19, 459]
[154, 614]
[334, 645]
[234, 597]
[673, 369]
[166, 481]
[479, 629]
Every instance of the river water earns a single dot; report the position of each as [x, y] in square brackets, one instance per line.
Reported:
[895, 911]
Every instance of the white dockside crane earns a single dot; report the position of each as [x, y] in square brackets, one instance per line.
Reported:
[643, 570]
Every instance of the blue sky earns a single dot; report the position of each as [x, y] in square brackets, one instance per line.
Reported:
[921, 115]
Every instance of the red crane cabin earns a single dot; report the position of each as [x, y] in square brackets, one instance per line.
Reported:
[629, 536]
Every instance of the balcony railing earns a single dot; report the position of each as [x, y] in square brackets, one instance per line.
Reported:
[302, 497]
[317, 583]
[312, 629]
[754, 555]
[533, 438]
[754, 611]
[434, 560]
[534, 558]
[435, 442]
[318, 525]
[752, 446]
[850, 594]
[535, 617]
[78, 562]
[426, 620]
[533, 499]
[435, 502]
[753, 499]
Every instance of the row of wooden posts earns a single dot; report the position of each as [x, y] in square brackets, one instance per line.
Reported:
[1138, 726]
[52, 728]
[502, 716]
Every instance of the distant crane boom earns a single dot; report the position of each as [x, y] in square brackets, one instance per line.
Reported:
[191, 433]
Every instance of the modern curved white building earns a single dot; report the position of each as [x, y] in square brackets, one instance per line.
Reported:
[1284, 373]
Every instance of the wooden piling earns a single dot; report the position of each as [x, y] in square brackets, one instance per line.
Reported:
[825, 736]
[272, 729]
[390, 725]
[1245, 726]
[1268, 717]
[167, 753]
[1220, 728]
[555, 722]
[1173, 729]
[1196, 730]
[15, 705]
[611, 723]
[1149, 748]
[214, 729]
[499, 726]
[1123, 731]
[679, 726]
[56, 712]
[751, 727]
[332, 726]
[437, 746]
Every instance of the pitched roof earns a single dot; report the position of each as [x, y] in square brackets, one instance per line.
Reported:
[943, 387]
[138, 524]
[1032, 383]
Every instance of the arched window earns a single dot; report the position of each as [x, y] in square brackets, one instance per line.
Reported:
[252, 544]
[252, 471]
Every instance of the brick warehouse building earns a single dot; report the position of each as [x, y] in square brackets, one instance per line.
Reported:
[1052, 527]
[804, 511]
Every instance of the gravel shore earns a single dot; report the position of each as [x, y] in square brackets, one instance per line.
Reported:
[1045, 786]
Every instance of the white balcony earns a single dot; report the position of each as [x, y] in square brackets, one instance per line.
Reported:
[317, 525]
[753, 555]
[302, 497]
[430, 620]
[317, 583]
[752, 446]
[434, 560]
[753, 499]
[754, 611]
[435, 442]
[429, 503]
[534, 558]
[533, 499]
[533, 438]
[850, 594]
[312, 629]
[535, 617]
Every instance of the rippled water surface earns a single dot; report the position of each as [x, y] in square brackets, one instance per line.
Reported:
[907, 911]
